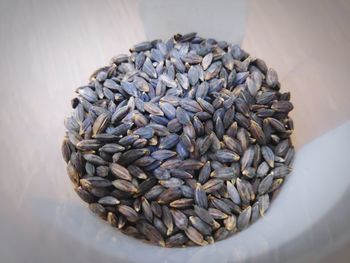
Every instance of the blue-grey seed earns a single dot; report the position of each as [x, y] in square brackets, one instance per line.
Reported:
[200, 196]
[145, 132]
[233, 193]
[152, 108]
[244, 218]
[182, 116]
[190, 105]
[183, 80]
[168, 110]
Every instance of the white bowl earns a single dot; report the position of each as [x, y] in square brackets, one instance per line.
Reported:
[52, 47]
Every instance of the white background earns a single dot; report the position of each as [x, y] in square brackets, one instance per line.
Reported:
[48, 48]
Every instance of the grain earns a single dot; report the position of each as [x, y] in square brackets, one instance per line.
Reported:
[180, 143]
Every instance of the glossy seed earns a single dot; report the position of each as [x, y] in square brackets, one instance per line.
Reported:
[86, 145]
[257, 132]
[219, 204]
[200, 225]
[268, 155]
[163, 154]
[213, 185]
[230, 223]
[232, 144]
[152, 108]
[221, 234]
[151, 233]
[264, 203]
[112, 148]
[108, 200]
[195, 236]
[200, 196]
[124, 186]
[205, 216]
[281, 171]
[169, 141]
[86, 196]
[277, 125]
[176, 240]
[283, 106]
[182, 203]
[204, 173]
[244, 218]
[169, 195]
[98, 209]
[179, 218]
[265, 184]
[207, 60]
[182, 116]
[120, 171]
[233, 193]
[171, 182]
[226, 156]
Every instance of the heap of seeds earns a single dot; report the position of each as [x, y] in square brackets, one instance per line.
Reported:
[180, 143]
